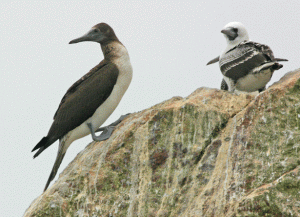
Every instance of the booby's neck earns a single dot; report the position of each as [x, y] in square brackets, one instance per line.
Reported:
[239, 39]
[113, 50]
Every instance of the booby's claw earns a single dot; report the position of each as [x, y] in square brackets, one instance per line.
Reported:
[107, 131]
[60, 156]
[114, 123]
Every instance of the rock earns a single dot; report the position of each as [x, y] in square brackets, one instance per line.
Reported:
[213, 153]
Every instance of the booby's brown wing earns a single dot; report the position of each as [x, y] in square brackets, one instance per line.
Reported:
[80, 102]
[83, 98]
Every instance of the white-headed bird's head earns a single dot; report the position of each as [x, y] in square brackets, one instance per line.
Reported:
[235, 33]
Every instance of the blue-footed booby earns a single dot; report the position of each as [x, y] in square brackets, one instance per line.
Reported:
[92, 99]
[246, 65]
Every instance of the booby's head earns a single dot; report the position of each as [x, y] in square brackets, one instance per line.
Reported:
[101, 33]
[235, 33]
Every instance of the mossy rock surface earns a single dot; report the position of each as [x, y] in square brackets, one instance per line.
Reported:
[211, 154]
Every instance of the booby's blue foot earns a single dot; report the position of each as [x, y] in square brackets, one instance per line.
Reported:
[106, 131]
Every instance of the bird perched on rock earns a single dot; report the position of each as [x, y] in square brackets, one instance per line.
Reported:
[92, 99]
[246, 65]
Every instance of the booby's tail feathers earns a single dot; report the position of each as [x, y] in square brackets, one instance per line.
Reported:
[60, 156]
[42, 145]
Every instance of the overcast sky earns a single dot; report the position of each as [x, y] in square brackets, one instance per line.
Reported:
[169, 43]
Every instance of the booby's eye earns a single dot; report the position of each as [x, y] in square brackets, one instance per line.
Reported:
[95, 30]
[235, 30]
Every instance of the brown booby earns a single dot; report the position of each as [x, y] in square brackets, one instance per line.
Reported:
[246, 66]
[92, 99]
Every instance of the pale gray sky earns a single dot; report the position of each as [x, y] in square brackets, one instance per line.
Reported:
[169, 43]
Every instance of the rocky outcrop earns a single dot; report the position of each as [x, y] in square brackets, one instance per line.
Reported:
[213, 153]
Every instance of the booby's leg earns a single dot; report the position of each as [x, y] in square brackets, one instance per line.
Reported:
[60, 156]
[228, 84]
[231, 88]
[114, 123]
[107, 131]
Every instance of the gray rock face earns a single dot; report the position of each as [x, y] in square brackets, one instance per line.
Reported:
[213, 153]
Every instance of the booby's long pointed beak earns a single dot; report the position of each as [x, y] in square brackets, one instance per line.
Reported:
[93, 35]
[230, 32]
[85, 37]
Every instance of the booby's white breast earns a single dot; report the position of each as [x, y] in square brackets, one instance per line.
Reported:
[254, 82]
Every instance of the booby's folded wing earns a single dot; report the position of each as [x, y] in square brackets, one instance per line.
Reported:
[81, 101]
[262, 48]
[265, 49]
[73, 88]
[244, 58]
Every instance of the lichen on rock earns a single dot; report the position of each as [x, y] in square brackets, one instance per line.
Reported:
[212, 153]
